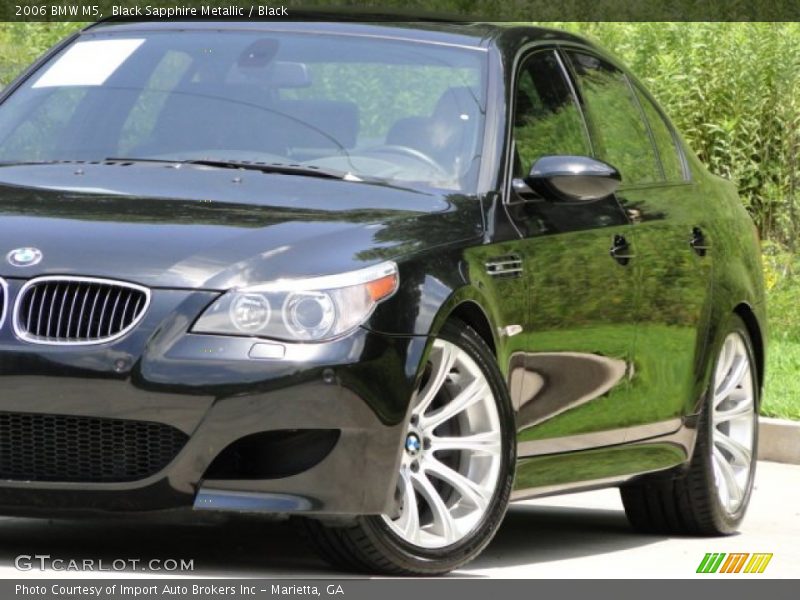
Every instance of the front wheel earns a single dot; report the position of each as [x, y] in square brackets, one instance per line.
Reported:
[712, 496]
[456, 470]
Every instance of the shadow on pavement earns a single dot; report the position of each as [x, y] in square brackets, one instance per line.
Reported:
[219, 547]
[239, 546]
[538, 534]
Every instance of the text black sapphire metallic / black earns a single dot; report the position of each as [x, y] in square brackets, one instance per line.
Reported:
[384, 278]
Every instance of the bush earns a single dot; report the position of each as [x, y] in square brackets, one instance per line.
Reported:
[21, 43]
[731, 89]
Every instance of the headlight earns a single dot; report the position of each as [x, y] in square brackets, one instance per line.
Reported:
[314, 309]
[250, 313]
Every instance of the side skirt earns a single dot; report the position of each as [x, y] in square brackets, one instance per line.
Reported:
[600, 467]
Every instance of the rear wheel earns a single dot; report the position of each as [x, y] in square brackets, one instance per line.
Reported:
[456, 470]
[712, 496]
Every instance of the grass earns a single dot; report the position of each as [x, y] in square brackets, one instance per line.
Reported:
[782, 389]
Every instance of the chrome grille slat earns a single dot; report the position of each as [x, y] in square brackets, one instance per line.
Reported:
[113, 313]
[138, 304]
[29, 316]
[72, 312]
[3, 301]
[41, 309]
[50, 311]
[102, 314]
[77, 310]
[127, 304]
[60, 321]
[91, 314]
[81, 312]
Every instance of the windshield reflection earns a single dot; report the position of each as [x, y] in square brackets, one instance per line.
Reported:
[378, 108]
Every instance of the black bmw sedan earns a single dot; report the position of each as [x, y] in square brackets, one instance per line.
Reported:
[381, 278]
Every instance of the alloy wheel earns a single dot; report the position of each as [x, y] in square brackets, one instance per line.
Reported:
[733, 423]
[452, 453]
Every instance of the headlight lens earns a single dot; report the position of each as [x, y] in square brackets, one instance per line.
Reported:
[309, 315]
[314, 309]
[250, 313]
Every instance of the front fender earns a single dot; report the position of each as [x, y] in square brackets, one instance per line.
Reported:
[431, 289]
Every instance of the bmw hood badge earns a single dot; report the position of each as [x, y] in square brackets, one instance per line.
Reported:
[25, 257]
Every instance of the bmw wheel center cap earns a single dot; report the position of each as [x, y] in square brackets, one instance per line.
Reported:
[413, 444]
[25, 257]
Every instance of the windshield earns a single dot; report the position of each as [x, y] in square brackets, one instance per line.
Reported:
[393, 110]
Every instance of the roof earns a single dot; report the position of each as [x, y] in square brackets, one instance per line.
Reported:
[426, 29]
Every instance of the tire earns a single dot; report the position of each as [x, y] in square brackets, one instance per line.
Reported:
[693, 502]
[395, 545]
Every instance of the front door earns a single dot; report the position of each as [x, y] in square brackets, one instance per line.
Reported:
[573, 357]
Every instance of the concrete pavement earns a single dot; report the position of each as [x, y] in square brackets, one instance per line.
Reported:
[577, 536]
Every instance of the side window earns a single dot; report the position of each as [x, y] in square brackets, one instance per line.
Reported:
[547, 120]
[620, 133]
[665, 141]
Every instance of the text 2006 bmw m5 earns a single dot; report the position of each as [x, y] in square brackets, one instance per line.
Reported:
[384, 278]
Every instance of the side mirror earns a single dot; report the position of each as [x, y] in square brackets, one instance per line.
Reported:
[571, 178]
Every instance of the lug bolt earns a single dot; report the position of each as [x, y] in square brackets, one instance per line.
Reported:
[415, 466]
[414, 420]
[426, 443]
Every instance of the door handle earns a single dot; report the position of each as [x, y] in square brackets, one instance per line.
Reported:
[698, 242]
[620, 250]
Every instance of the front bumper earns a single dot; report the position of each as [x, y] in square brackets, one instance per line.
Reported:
[212, 391]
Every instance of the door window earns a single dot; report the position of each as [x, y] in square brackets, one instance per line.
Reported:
[547, 120]
[664, 140]
[620, 134]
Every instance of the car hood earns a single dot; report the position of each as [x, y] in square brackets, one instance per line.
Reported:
[207, 228]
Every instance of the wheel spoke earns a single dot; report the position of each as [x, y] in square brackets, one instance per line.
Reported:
[725, 471]
[442, 358]
[724, 362]
[409, 516]
[476, 391]
[732, 379]
[741, 455]
[464, 487]
[742, 408]
[443, 523]
[486, 443]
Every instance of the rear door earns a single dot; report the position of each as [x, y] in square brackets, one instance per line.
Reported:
[671, 243]
[573, 356]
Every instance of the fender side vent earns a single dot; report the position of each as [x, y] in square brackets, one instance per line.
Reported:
[505, 267]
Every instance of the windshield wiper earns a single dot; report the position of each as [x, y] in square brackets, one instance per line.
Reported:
[264, 167]
[282, 168]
